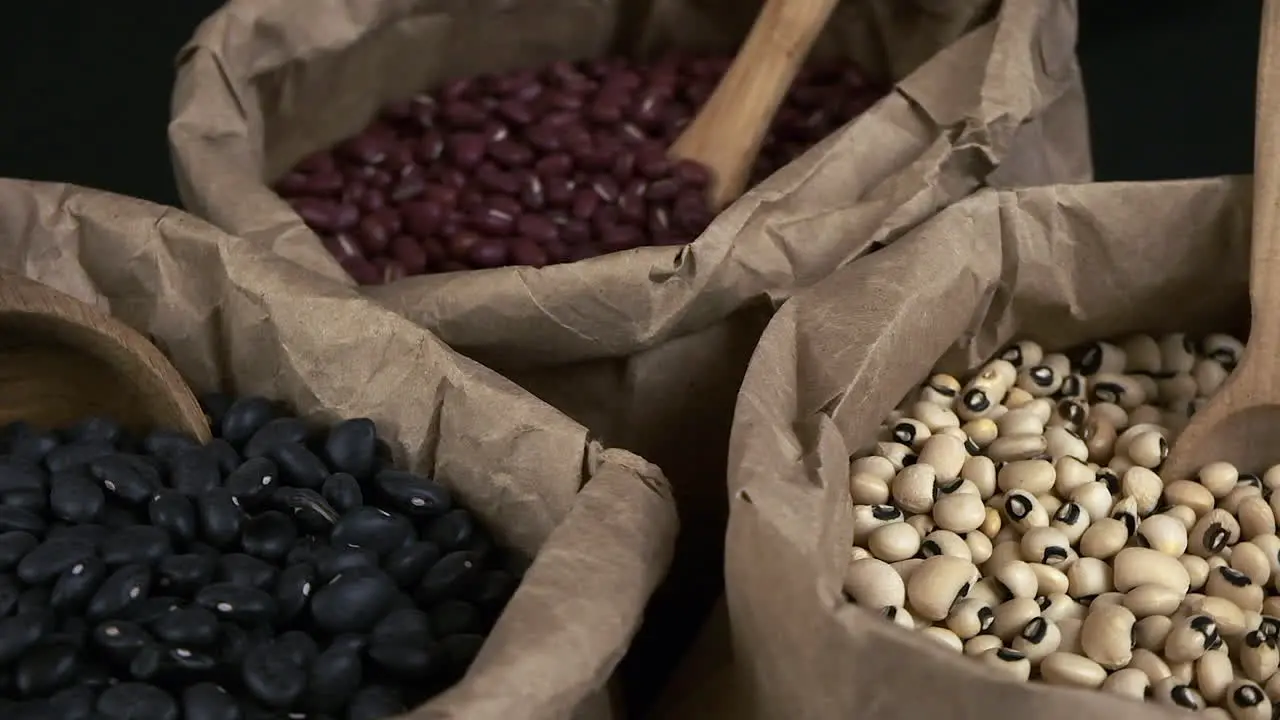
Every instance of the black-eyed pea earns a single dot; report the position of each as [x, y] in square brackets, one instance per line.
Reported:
[1122, 390]
[1269, 625]
[1107, 635]
[897, 454]
[1147, 414]
[1242, 491]
[1088, 578]
[1120, 464]
[1011, 616]
[1017, 398]
[1177, 353]
[1148, 600]
[1018, 579]
[1184, 515]
[1070, 473]
[1197, 570]
[1023, 510]
[1248, 558]
[936, 417]
[940, 389]
[981, 431]
[858, 553]
[1213, 674]
[1219, 478]
[938, 584]
[1074, 387]
[1270, 545]
[1106, 598]
[866, 518]
[1007, 663]
[1071, 415]
[1271, 478]
[1008, 533]
[1246, 700]
[1274, 502]
[1071, 670]
[1104, 538]
[1173, 692]
[1184, 673]
[1229, 617]
[1209, 376]
[867, 489]
[1151, 632]
[1177, 388]
[874, 583]
[1037, 639]
[1050, 503]
[1109, 478]
[1115, 415]
[1223, 348]
[1136, 566]
[1218, 561]
[1044, 378]
[944, 636]
[979, 644]
[872, 466]
[1272, 688]
[914, 488]
[904, 568]
[989, 591]
[1008, 448]
[1050, 580]
[1190, 638]
[1069, 629]
[1071, 519]
[899, 616]
[1163, 533]
[1128, 682]
[1149, 448]
[1061, 441]
[1256, 517]
[1059, 606]
[1001, 554]
[945, 454]
[1126, 511]
[979, 400]
[1144, 486]
[1095, 498]
[1215, 531]
[1151, 665]
[980, 547]
[1100, 437]
[1046, 545]
[1035, 476]
[909, 432]
[923, 524]
[1025, 420]
[1097, 357]
[981, 471]
[970, 617]
[1258, 656]
[959, 513]
[945, 542]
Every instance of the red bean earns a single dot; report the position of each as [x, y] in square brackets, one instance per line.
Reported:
[525, 251]
[537, 227]
[466, 149]
[422, 218]
[373, 234]
[488, 253]
[409, 253]
[510, 153]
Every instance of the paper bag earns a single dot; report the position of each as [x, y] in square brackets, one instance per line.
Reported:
[600, 523]
[646, 347]
[1060, 265]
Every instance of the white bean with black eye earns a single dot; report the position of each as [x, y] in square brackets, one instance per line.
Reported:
[1062, 442]
[1023, 510]
[1148, 600]
[1224, 349]
[1174, 692]
[1136, 566]
[1219, 478]
[1072, 670]
[1177, 353]
[1122, 390]
[874, 583]
[894, 542]
[1163, 533]
[1214, 532]
[1094, 497]
[1151, 664]
[1213, 675]
[1088, 578]
[1013, 615]
[904, 568]
[898, 455]
[1038, 638]
[1256, 517]
[1126, 511]
[1248, 558]
[1070, 473]
[1144, 486]
[1247, 701]
[1197, 570]
[1008, 448]
[938, 584]
[867, 518]
[945, 542]
[1191, 637]
[909, 432]
[1018, 579]
[959, 513]
[980, 547]
[1071, 415]
[1151, 632]
[1021, 353]
[1035, 476]
[940, 389]
[1025, 420]
[1098, 357]
[899, 616]
[1135, 431]
[1007, 663]
[1044, 378]
[979, 644]
[1050, 580]
[936, 417]
[1047, 545]
[1258, 656]
[1244, 490]
[970, 617]
[1107, 636]
[868, 490]
[945, 454]
[1059, 606]
[875, 466]
[1100, 437]
[1186, 493]
[1071, 519]
[981, 471]
[1128, 682]
[914, 488]
[1209, 376]
[1104, 538]
[981, 431]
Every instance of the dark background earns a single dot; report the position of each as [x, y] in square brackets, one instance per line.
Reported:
[84, 89]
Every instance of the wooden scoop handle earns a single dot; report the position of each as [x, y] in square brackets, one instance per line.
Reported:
[1264, 271]
[728, 130]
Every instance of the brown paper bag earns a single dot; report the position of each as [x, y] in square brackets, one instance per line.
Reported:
[1060, 265]
[601, 523]
[646, 347]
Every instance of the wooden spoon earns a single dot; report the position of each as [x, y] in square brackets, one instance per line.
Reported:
[61, 361]
[726, 134]
[1241, 424]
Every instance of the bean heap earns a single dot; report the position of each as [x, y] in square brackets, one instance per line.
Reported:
[537, 167]
[276, 572]
[1020, 518]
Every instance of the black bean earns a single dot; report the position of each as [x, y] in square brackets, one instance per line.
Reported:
[127, 585]
[307, 508]
[20, 632]
[331, 562]
[147, 663]
[220, 517]
[234, 643]
[404, 660]
[275, 433]
[36, 501]
[16, 474]
[51, 558]
[120, 516]
[209, 701]
[452, 576]
[96, 675]
[215, 405]
[226, 456]
[342, 492]
[194, 472]
[271, 676]
[353, 601]
[238, 603]
[245, 416]
[124, 479]
[334, 676]
[407, 624]
[373, 529]
[10, 591]
[46, 669]
[269, 535]
[299, 646]
[152, 609]
[460, 650]
[136, 544]
[412, 493]
[375, 702]
[351, 447]
[14, 545]
[173, 512]
[186, 626]
[293, 590]
[33, 446]
[91, 532]
[407, 565]
[73, 703]
[96, 428]
[34, 599]
[253, 482]
[77, 585]
[493, 590]
[75, 497]
[185, 664]
[453, 617]
[247, 570]
[136, 701]
[15, 519]
[72, 455]
[451, 531]
[168, 443]
[185, 573]
[306, 549]
[74, 630]
[301, 467]
[355, 642]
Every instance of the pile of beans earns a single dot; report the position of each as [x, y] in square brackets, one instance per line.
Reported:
[1019, 518]
[538, 167]
[276, 572]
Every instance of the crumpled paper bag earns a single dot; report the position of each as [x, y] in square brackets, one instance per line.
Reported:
[647, 347]
[1061, 265]
[233, 317]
